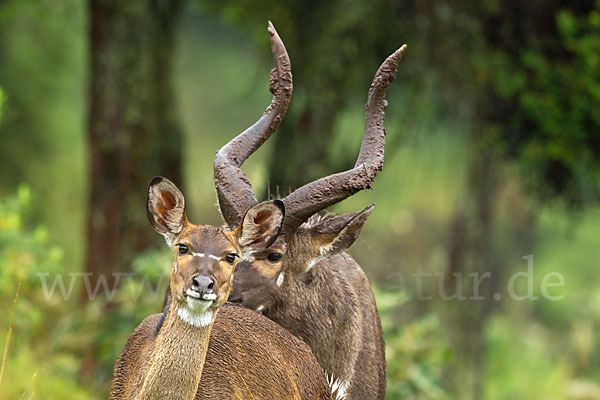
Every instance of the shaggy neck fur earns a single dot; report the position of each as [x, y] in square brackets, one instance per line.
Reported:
[178, 357]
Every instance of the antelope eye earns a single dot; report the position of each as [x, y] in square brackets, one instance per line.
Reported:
[274, 257]
[183, 249]
[230, 258]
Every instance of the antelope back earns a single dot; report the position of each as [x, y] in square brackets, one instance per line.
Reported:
[248, 357]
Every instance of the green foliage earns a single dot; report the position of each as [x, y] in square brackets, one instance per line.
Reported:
[525, 74]
[415, 351]
[23, 253]
[547, 82]
[51, 335]
[508, 347]
[38, 359]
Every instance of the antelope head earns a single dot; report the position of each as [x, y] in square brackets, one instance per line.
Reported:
[263, 277]
[206, 256]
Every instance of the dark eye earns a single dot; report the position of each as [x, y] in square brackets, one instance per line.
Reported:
[183, 249]
[230, 258]
[274, 257]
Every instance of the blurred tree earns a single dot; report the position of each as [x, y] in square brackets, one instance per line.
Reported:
[133, 132]
[523, 70]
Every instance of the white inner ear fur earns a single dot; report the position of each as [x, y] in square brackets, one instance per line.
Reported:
[251, 230]
[172, 217]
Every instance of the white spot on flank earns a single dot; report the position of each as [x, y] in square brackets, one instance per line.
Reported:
[280, 279]
[338, 387]
[260, 308]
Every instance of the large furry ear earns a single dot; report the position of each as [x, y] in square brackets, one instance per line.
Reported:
[338, 233]
[165, 208]
[261, 226]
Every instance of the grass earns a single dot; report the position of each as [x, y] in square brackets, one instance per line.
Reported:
[9, 333]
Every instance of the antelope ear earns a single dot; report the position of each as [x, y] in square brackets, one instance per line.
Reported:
[339, 233]
[261, 226]
[165, 208]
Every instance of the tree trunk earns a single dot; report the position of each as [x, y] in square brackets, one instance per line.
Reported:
[132, 130]
[471, 255]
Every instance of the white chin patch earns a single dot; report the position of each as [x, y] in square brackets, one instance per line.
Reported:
[200, 320]
[196, 312]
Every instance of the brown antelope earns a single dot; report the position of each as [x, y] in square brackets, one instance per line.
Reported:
[305, 281]
[170, 356]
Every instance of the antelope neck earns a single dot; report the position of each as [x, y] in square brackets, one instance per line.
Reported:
[177, 359]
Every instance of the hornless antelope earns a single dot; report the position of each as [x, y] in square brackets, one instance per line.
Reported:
[169, 355]
[305, 281]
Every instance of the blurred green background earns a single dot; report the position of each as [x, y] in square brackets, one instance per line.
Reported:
[492, 155]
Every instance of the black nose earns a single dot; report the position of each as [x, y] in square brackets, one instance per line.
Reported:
[203, 284]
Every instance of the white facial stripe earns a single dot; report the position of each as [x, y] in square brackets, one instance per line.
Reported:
[280, 279]
[175, 266]
[206, 255]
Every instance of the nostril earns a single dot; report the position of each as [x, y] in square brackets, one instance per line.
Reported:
[195, 283]
[203, 283]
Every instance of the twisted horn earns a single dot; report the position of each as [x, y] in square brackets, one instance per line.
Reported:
[322, 193]
[234, 190]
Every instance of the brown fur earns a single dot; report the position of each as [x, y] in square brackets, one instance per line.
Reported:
[178, 355]
[331, 306]
[316, 291]
[248, 357]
